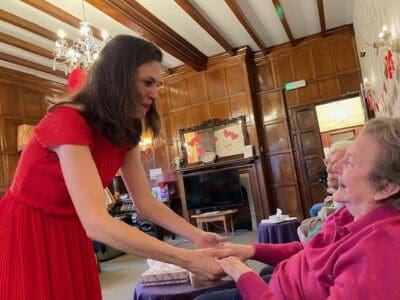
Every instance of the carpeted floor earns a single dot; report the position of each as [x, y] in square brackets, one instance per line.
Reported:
[119, 275]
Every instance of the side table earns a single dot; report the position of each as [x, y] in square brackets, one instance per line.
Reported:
[214, 217]
[278, 233]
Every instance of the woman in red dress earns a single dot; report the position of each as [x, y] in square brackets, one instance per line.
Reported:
[55, 205]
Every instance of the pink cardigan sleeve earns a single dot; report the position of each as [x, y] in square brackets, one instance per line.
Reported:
[273, 254]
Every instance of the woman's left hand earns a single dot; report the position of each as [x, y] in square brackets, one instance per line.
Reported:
[233, 266]
[208, 239]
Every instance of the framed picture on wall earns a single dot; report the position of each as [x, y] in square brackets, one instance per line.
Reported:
[222, 137]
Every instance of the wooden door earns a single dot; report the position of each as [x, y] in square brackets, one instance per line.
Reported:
[308, 154]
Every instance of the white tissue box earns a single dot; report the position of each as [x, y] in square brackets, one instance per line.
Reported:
[163, 277]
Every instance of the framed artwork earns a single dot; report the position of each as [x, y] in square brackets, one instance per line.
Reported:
[222, 137]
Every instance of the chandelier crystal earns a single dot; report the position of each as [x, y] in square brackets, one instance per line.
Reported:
[83, 51]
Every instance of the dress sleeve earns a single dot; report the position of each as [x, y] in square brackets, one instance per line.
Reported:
[63, 126]
[273, 254]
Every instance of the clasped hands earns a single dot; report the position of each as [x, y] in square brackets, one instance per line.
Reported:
[219, 258]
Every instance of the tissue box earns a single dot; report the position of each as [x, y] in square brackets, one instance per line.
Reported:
[163, 277]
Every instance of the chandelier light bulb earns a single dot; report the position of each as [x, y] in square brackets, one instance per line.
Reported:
[381, 35]
[384, 28]
[104, 35]
[61, 34]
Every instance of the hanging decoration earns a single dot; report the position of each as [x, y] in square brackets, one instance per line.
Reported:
[76, 80]
[389, 65]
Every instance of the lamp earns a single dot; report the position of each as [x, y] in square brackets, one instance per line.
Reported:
[25, 132]
[82, 52]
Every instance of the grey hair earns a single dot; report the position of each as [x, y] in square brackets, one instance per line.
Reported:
[340, 145]
[387, 167]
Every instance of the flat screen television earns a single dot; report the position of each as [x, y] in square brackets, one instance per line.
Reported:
[213, 189]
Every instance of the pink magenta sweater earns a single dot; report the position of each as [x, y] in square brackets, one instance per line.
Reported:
[347, 260]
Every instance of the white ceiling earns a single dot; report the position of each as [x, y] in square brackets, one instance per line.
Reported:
[302, 17]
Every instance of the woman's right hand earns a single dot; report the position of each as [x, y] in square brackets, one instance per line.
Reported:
[202, 262]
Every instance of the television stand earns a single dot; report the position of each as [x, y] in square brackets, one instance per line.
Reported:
[214, 217]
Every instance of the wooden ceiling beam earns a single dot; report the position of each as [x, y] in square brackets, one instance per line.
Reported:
[321, 14]
[29, 64]
[59, 14]
[134, 16]
[281, 16]
[16, 42]
[246, 24]
[29, 26]
[199, 19]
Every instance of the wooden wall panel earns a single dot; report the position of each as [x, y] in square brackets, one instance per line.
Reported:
[215, 84]
[163, 102]
[31, 102]
[265, 78]
[322, 57]
[219, 109]
[161, 157]
[167, 128]
[328, 87]
[235, 79]
[284, 196]
[344, 53]
[309, 93]
[10, 133]
[303, 66]
[277, 137]
[283, 70]
[283, 170]
[196, 89]
[199, 113]
[3, 174]
[239, 107]
[349, 82]
[11, 102]
[180, 119]
[178, 94]
[272, 106]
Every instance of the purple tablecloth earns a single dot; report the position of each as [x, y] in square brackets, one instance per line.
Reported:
[278, 233]
[183, 291]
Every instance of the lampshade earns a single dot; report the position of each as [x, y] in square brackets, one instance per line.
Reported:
[25, 132]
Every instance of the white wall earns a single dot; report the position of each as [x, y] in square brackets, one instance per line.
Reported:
[369, 17]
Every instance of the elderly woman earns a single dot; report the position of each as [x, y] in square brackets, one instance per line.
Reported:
[357, 253]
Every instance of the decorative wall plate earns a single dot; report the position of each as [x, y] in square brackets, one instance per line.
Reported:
[208, 157]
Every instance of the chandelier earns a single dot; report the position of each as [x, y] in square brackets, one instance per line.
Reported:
[83, 51]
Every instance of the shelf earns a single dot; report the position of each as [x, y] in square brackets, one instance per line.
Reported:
[236, 161]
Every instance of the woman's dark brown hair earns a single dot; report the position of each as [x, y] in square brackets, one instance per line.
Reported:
[110, 98]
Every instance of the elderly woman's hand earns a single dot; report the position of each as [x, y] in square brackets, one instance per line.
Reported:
[244, 252]
[233, 266]
[202, 262]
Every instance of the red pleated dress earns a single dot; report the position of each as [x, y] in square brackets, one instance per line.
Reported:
[44, 250]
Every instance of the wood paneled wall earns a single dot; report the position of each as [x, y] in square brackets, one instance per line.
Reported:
[22, 101]
[331, 68]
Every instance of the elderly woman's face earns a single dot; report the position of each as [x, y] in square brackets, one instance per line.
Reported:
[355, 191]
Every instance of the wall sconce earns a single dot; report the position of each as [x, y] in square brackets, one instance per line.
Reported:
[367, 93]
[25, 132]
[386, 39]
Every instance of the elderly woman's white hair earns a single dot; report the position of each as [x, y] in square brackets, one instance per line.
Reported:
[387, 165]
